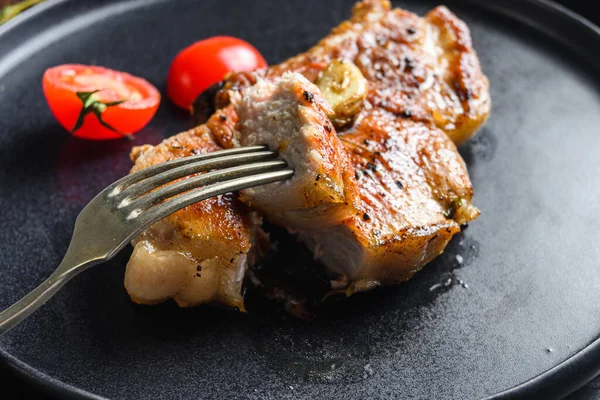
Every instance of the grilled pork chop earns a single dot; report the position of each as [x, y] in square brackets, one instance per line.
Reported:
[412, 188]
[422, 68]
[200, 253]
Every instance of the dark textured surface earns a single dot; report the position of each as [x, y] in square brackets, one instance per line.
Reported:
[529, 261]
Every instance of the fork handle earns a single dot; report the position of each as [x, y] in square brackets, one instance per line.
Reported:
[16, 313]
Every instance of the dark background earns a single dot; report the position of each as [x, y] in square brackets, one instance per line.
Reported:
[23, 389]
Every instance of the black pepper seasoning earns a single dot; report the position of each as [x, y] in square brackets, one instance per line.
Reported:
[366, 217]
[308, 96]
[464, 94]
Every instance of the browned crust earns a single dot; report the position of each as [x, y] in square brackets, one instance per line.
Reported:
[218, 222]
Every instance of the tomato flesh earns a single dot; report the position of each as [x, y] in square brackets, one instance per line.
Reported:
[141, 99]
[207, 62]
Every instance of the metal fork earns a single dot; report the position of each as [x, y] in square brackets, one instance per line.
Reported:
[127, 207]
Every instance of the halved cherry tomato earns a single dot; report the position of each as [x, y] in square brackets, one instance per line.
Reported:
[207, 62]
[99, 103]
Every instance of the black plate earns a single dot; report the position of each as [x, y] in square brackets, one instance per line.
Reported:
[528, 302]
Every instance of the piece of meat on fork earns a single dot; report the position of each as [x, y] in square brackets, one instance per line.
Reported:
[200, 253]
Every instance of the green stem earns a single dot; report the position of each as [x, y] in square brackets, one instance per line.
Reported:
[9, 12]
[93, 105]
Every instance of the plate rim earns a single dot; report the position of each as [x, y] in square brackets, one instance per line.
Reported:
[557, 382]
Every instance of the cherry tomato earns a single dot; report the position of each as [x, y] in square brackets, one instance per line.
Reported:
[206, 62]
[99, 103]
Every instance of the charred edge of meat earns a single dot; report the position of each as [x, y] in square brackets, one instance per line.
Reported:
[204, 105]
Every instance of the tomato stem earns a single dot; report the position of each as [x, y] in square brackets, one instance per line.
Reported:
[93, 105]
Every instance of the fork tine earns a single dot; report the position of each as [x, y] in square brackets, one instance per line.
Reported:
[146, 218]
[150, 199]
[130, 193]
[118, 186]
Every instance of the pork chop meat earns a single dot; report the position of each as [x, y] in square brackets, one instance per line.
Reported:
[200, 253]
[414, 192]
[290, 115]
